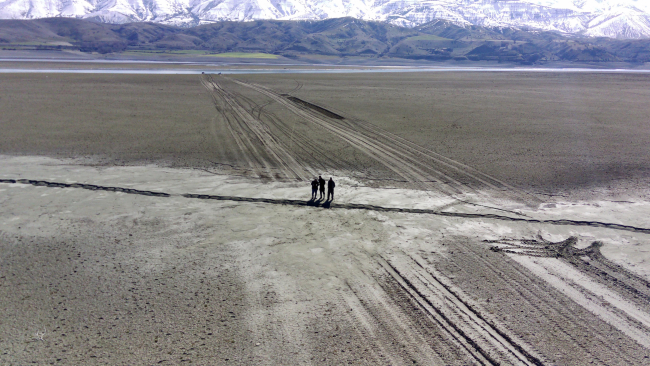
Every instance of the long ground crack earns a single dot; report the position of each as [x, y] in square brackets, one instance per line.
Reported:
[349, 206]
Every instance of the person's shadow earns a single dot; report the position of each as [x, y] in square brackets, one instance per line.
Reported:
[318, 202]
[327, 203]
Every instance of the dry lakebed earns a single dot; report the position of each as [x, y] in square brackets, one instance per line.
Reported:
[479, 218]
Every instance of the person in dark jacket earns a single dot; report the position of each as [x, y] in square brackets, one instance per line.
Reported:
[321, 182]
[330, 189]
[314, 188]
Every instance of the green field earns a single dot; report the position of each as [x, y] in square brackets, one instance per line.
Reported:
[245, 55]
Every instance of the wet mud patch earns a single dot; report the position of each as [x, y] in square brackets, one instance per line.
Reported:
[321, 110]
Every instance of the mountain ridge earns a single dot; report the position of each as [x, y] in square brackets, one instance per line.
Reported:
[594, 18]
[341, 37]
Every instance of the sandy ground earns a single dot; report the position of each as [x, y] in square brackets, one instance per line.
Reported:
[148, 219]
[96, 277]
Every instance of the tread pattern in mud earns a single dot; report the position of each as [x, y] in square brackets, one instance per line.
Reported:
[258, 145]
[588, 260]
[535, 312]
[421, 167]
[488, 344]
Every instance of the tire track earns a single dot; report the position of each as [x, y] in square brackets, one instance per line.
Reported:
[557, 310]
[460, 168]
[370, 129]
[452, 330]
[269, 144]
[348, 206]
[247, 148]
[272, 146]
[420, 322]
[390, 319]
[306, 145]
[318, 158]
[486, 343]
[384, 154]
[410, 161]
[396, 161]
[245, 121]
[382, 339]
[588, 260]
[527, 290]
[616, 295]
[298, 87]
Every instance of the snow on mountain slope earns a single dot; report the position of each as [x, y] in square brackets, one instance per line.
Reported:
[608, 18]
[620, 22]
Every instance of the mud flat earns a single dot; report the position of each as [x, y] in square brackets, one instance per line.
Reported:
[541, 132]
[96, 275]
[547, 132]
[167, 220]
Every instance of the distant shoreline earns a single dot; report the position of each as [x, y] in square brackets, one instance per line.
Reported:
[313, 71]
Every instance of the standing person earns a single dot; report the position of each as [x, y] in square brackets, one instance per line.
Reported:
[314, 188]
[321, 182]
[330, 189]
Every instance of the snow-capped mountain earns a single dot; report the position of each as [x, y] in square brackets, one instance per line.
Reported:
[608, 18]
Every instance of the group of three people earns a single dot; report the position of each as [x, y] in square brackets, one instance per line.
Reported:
[320, 183]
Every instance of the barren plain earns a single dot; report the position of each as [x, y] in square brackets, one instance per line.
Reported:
[479, 218]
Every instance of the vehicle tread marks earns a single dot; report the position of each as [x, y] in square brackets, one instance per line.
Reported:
[269, 143]
[561, 314]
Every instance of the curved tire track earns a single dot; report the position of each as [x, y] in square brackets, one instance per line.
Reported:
[410, 161]
[532, 293]
[588, 260]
